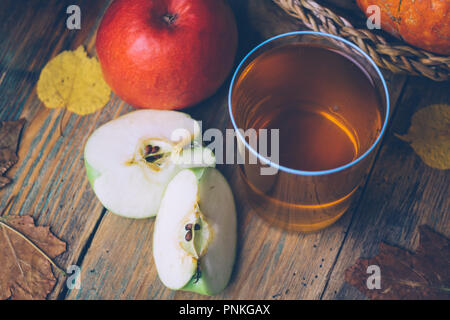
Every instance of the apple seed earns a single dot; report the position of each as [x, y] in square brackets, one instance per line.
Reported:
[153, 158]
[148, 149]
[188, 236]
[155, 149]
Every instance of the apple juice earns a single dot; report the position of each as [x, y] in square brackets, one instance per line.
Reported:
[328, 113]
[323, 103]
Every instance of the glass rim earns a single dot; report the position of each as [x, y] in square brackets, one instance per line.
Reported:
[303, 172]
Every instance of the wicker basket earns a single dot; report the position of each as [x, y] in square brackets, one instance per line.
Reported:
[396, 57]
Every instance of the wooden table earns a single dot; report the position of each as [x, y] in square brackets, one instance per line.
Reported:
[115, 254]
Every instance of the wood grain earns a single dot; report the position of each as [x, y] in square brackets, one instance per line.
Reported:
[402, 194]
[49, 180]
[115, 253]
[271, 263]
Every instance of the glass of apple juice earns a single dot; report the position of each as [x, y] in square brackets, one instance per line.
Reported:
[329, 105]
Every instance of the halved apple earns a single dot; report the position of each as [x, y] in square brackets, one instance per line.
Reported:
[194, 237]
[130, 160]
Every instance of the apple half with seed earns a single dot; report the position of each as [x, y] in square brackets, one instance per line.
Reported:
[194, 239]
[130, 160]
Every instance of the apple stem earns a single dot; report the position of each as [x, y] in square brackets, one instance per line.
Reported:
[198, 274]
[170, 18]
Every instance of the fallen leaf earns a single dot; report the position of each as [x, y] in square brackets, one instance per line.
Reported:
[429, 135]
[9, 141]
[26, 271]
[74, 81]
[424, 274]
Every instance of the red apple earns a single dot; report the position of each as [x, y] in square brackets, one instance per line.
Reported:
[166, 54]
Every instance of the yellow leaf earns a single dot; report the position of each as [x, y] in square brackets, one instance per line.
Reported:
[74, 81]
[429, 135]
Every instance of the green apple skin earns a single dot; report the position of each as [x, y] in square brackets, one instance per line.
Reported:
[212, 202]
[199, 286]
[91, 173]
[134, 128]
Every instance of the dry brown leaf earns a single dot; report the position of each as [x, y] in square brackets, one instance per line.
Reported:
[9, 140]
[424, 274]
[26, 272]
[429, 135]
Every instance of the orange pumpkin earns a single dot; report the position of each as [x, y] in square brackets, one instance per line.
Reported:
[421, 23]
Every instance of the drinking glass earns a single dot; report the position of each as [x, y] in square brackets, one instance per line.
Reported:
[271, 77]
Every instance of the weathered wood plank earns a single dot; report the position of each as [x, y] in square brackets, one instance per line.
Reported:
[270, 263]
[49, 179]
[402, 194]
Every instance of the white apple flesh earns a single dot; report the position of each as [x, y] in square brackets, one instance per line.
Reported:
[195, 232]
[130, 160]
